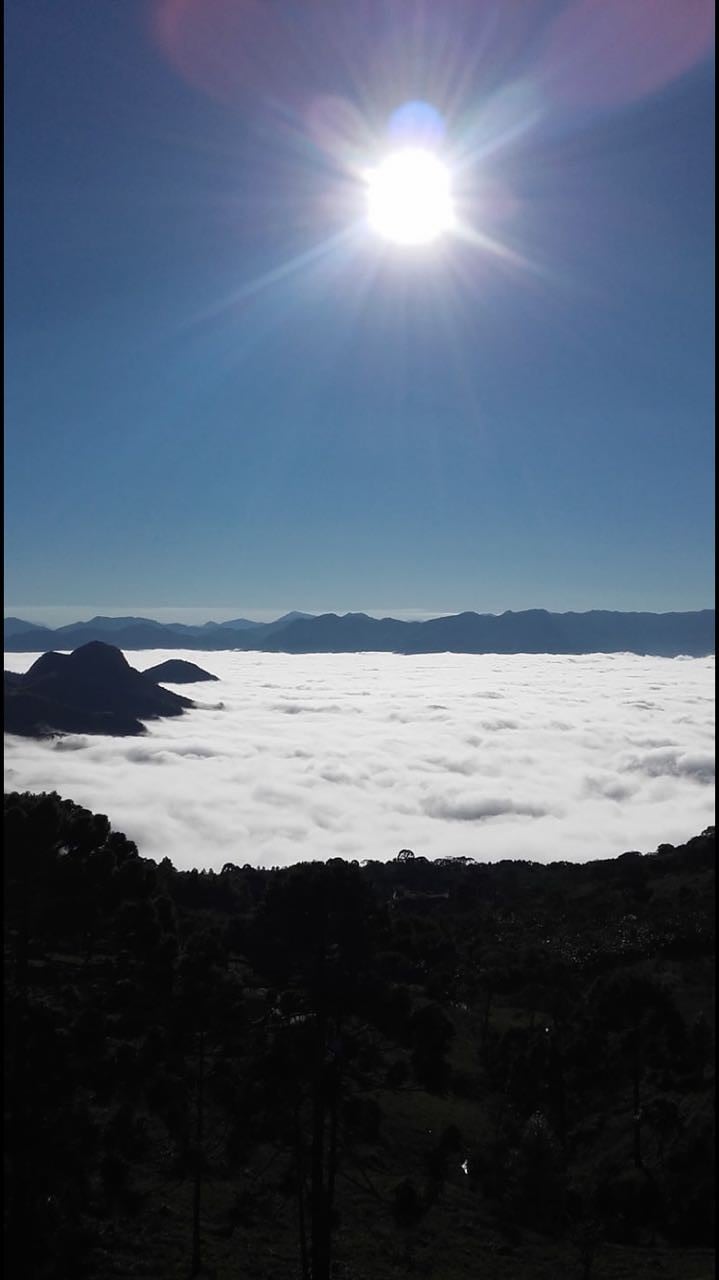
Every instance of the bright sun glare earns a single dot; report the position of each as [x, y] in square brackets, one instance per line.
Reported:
[410, 197]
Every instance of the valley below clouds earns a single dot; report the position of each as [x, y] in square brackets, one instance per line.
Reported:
[290, 758]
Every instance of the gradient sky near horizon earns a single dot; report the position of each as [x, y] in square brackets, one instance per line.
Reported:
[224, 392]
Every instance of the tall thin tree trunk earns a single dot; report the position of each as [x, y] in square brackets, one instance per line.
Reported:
[299, 1153]
[20, 1199]
[320, 1242]
[198, 1161]
[320, 1250]
[22, 946]
[89, 943]
[561, 1097]
[636, 1115]
[332, 1157]
[19, 1224]
[485, 1020]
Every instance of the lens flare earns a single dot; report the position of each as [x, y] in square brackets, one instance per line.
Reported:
[417, 124]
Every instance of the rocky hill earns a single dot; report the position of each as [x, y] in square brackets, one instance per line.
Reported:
[92, 690]
[176, 671]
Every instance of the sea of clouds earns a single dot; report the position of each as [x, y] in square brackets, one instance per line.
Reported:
[289, 758]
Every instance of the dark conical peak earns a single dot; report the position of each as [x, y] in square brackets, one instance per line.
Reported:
[96, 656]
[47, 664]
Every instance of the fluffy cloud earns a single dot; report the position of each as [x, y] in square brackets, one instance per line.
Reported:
[358, 756]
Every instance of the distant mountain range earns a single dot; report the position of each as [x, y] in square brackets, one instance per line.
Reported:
[93, 690]
[138, 633]
[527, 631]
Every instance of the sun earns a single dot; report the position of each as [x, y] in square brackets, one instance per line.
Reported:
[409, 197]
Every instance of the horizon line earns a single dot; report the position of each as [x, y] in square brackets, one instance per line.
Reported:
[203, 614]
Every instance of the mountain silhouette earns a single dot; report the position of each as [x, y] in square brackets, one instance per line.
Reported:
[529, 631]
[525, 631]
[108, 625]
[92, 690]
[18, 626]
[175, 671]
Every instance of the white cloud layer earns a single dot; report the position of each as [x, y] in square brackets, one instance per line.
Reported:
[361, 755]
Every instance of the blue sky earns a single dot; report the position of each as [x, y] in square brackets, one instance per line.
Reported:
[224, 393]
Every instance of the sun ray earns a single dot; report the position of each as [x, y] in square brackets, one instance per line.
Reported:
[496, 248]
[321, 252]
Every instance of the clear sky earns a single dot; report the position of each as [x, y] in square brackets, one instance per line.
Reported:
[225, 391]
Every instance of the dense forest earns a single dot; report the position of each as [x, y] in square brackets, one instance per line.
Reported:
[444, 1069]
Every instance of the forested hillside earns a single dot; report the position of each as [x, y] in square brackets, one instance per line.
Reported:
[441, 1069]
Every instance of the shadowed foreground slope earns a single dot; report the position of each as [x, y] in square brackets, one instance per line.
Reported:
[444, 1069]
